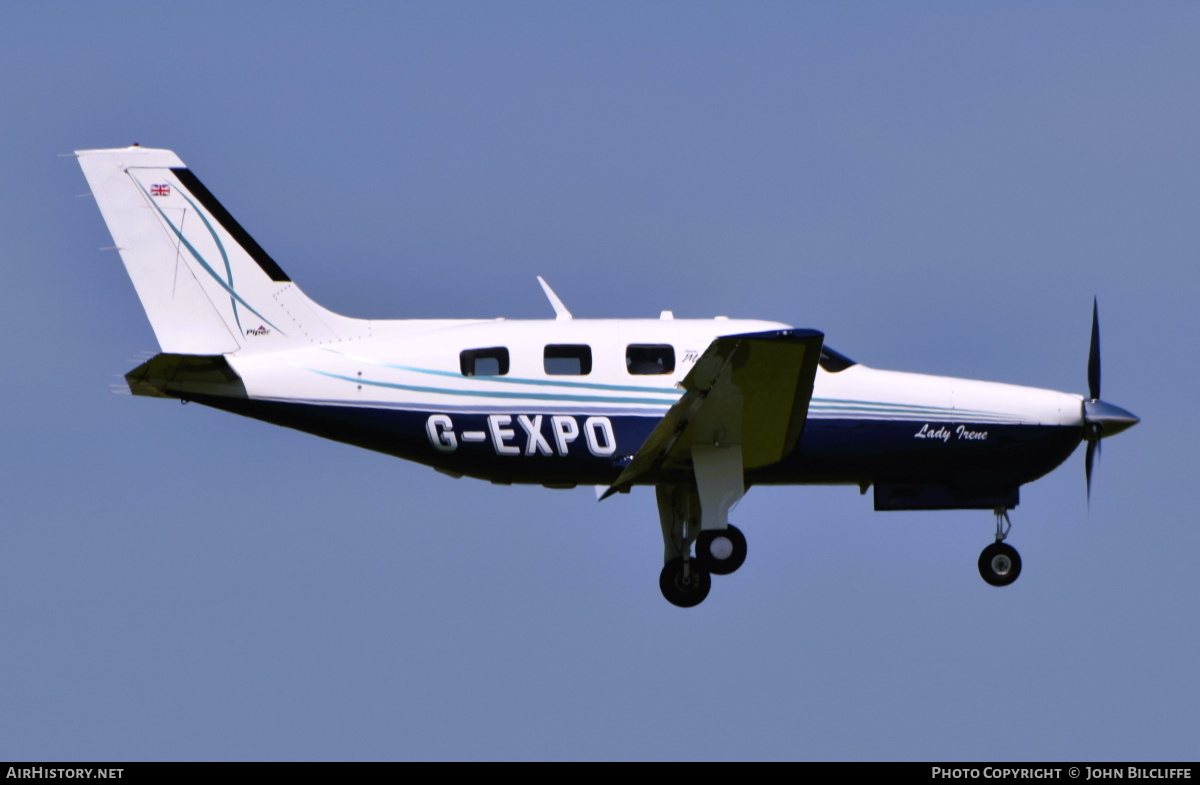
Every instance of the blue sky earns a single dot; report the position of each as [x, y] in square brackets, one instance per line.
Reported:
[939, 187]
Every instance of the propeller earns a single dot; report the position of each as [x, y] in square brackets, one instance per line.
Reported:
[1100, 419]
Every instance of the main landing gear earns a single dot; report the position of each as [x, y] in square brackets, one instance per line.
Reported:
[684, 582]
[721, 551]
[685, 579]
[1000, 564]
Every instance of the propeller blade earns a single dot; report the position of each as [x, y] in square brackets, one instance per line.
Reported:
[1100, 419]
[1094, 354]
[1093, 448]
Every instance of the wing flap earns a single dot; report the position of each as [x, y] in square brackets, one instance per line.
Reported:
[751, 390]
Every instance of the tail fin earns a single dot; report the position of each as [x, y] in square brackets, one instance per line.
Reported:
[207, 287]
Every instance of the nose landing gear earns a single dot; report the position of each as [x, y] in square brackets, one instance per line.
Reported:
[1000, 564]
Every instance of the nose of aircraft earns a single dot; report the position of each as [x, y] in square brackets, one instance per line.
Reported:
[1103, 419]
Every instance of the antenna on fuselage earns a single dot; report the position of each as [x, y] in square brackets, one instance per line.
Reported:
[560, 311]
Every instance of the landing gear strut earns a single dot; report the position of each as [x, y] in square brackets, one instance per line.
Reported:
[1000, 564]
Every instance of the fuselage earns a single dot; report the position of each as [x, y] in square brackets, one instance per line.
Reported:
[570, 402]
[698, 409]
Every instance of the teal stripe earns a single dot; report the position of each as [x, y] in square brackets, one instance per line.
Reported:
[878, 404]
[946, 416]
[914, 410]
[913, 416]
[479, 394]
[899, 409]
[543, 382]
[909, 417]
[224, 256]
[852, 405]
[208, 269]
[864, 409]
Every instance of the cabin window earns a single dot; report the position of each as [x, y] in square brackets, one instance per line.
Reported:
[643, 359]
[484, 362]
[565, 359]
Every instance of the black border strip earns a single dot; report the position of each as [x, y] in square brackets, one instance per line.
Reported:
[1027, 773]
[240, 235]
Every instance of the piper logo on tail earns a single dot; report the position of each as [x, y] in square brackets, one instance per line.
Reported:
[260, 330]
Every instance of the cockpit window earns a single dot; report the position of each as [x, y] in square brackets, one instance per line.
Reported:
[484, 362]
[567, 359]
[649, 359]
[834, 362]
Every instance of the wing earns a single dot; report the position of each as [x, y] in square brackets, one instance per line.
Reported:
[750, 390]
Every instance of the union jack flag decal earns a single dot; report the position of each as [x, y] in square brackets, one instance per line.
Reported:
[160, 190]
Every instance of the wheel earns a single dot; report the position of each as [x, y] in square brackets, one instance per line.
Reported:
[721, 551]
[686, 592]
[999, 564]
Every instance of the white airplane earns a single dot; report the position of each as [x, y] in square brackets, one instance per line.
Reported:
[701, 409]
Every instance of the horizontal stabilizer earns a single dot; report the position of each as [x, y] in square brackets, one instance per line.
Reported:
[177, 375]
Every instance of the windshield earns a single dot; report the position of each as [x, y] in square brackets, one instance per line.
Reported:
[833, 362]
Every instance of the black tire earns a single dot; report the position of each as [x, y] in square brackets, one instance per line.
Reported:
[685, 593]
[721, 551]
[999, 564]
